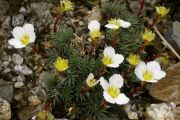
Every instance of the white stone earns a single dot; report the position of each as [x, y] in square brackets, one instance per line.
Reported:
[5, 110]
[132, 115]
[7, 70]
[17, 59]
[18, 84]
[23, 70]
[161, 111]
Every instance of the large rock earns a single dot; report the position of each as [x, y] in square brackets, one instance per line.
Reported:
[6, 90]
[168, 89]
[5, 110]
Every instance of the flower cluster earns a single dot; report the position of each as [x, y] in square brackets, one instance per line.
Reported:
[147, 72]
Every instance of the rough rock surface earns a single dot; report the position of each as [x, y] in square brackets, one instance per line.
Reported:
[6, 90]
[161, 111]
[4, 5]
[5, 110]
[168, 89]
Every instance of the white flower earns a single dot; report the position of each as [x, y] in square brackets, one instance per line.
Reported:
[91, 81]
[22, 36]
[150, 72]
[94, 25]
[111, 59]
[117, 23]
[112, 92]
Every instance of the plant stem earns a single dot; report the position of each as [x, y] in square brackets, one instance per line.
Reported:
[58, 17]
[138, 89]
[141, 7]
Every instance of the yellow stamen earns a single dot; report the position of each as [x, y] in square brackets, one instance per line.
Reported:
[147, 75]
[162, 11]
[115, 22]
[113, 91]
[65, 6]
[91, 82]
[95, 35]
[148, 35]
[134, 59]
[107, 60]
[61, 64]
[25, 39]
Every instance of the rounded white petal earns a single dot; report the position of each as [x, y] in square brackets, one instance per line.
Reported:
[32, 37]
[122, 99]
[118, 59]
[116, 80]
[28, 27]
[124, 24]
[18, 32]
[113, 65]
[109, 51]
[94, 25]
[140, 68]
[104, 83]
[153, 66]
[159, 75]
[29, 30]
[90, 76]
[151, 81]
[16, 43]
[108, 98]
[112, 26]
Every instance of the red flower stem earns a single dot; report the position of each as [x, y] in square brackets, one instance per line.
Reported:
[56, 21]
[141, 7]
[140, 49]
[86, 89]
[47, 106]
[113, 41]
[138, 89]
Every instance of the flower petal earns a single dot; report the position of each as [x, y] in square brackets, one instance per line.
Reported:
[153, 66]
[139, 70]
[28, 27]
[116, 80]
[16, 43]
[108, 98]
[90, 76]
[94, 25]
[122, 99]
[124, 24]
[118, 59]
[109, 51]
[104, 83]
[159, 75]
[111, 26]
[18, 32]
[113, 65]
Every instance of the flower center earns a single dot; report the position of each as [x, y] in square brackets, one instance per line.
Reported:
[147, 75]
[134, 59]
[91, 82]
[95, 35]
[25, 39]
[61, 64]
[113, 91]
[107, 60]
